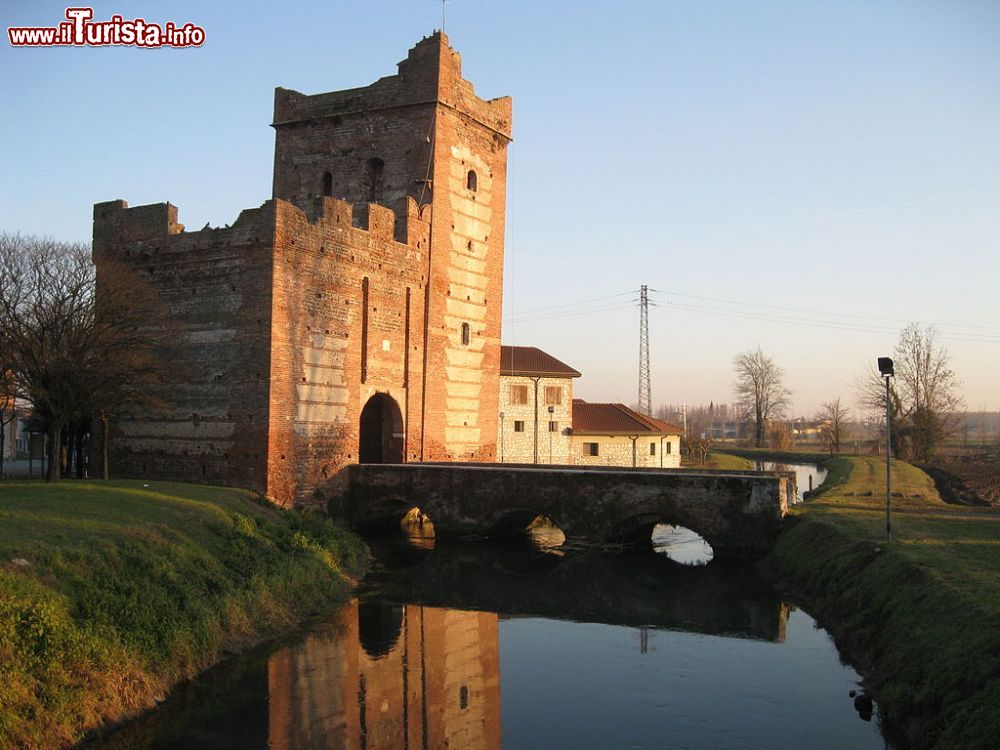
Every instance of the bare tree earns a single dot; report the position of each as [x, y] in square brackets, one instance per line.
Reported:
[925, 397]
[760, 391]
[832, 417]
[8, 405]
[72, 355]
[696, 442]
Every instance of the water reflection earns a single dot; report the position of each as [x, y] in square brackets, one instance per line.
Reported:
[637, 588]
[431, 680]
[681, 545]
[594, 650]
[807, 476]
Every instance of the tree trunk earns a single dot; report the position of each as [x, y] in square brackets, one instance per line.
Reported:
[105, 444]
[54, 469]
[78, 450]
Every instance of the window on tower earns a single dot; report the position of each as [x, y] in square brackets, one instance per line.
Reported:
[471, 181]
[374, 177]
[327, 183]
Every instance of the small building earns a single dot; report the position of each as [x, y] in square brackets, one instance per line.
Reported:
[614, 435]
[536, 407]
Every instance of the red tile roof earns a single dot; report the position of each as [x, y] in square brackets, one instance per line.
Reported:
[617, 419]
[530, 360]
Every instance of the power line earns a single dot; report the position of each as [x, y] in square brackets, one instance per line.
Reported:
[844, 321]
[821, 312]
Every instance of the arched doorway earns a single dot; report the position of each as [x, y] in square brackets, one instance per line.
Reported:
[381, 435]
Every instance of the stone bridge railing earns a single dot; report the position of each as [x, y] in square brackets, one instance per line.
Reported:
[738, 513]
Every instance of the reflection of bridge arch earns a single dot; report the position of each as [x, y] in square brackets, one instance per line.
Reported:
[381, 431]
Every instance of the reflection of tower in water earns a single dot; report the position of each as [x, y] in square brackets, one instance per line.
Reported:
[387, 676]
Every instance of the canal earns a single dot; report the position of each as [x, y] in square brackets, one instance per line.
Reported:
[530, 645]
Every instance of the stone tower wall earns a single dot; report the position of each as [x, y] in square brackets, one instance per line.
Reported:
[211, 425]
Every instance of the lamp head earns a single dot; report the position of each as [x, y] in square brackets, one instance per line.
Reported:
[885, 367]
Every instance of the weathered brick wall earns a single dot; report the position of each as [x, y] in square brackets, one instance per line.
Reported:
[317, 388]
[466, 268]
[426, 129]
[519, 447]
[216, 286]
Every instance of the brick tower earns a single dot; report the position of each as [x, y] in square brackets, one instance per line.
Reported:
[421, 135]
[354, 316]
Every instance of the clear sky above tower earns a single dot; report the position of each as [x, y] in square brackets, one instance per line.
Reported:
[807, 177]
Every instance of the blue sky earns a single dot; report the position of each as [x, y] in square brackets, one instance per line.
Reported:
[838, 162]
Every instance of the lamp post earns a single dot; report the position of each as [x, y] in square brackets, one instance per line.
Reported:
[501, 437]
[551, 410]
[886, 370]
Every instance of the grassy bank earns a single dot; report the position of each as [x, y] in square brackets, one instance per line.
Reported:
[113, 592]
[919, 614]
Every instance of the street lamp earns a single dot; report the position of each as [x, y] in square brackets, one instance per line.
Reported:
[551, 410]
[501, 437]
[886, 371]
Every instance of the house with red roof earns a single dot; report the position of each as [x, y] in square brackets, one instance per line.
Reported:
[536, 407]
[541, 423]
[615, 435]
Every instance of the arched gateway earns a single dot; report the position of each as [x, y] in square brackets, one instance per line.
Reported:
[381, 434]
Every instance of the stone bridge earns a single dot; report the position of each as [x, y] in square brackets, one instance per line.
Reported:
[737, 513]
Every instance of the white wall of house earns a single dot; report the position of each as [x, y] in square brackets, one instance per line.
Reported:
[616, 450]
[516, 430]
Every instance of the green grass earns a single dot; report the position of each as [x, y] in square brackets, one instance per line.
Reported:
[920, 613]
[721, 461]
[132, 587]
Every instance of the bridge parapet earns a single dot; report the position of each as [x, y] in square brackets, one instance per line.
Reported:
[738, 513]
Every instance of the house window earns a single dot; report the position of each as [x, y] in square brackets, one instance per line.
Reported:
[466, 335]
[668, 448]
[590, 449]
[519, 394]
[652, 449]
[553, 394]
[553, 427]
[518, 425]
[471, 181]
[327, 183]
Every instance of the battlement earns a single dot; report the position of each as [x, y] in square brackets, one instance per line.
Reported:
[114, 219]
[115, 223]
[410, 226]
[431, 73]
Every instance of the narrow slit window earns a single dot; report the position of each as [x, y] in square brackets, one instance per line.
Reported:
[471, 181]
[374, 180]
[327, 183]
[466, 334]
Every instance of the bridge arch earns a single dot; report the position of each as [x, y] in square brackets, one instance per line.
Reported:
[380, 438]
[637, 529]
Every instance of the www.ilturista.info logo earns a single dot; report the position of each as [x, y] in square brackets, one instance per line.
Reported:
[80, 30]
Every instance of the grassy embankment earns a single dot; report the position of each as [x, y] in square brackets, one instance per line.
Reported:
[920, 614]
[113, 592]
